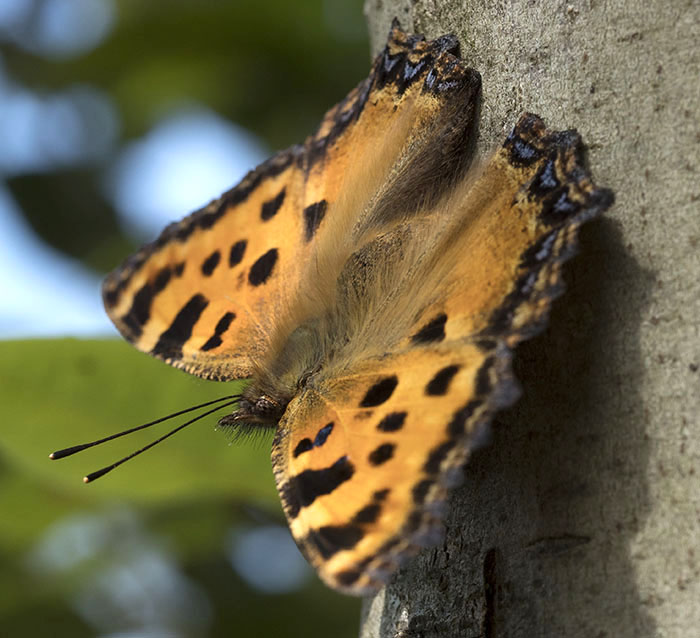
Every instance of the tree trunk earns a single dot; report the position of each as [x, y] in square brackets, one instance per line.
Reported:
[582, 516]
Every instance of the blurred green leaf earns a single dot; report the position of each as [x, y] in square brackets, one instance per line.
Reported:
[59, 393]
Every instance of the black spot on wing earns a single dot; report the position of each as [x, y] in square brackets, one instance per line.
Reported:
[307, 444]
[162, 279]
[213, 342]
[437, 455]
[447, 42]
[368, 514]
[304, 488]
[380, 392]
[323, 434]
[545, 181]
[564, 206]
[485, 344]
[313, 216]
[413, 522]
[420, 491]
[140, 311]
[261, 270]
[222, 326]
[440, 383]
[272, 206]
[179, 269]
[380, 495]
[526, 145]
[331, 539]
[431, 332]
[170, 342]
[483, 377]
[237, 251]
[348, 577]
[392, 422]
[210, 263]
[381, 454]
[303, 446]
[111, 296]
[459, 420]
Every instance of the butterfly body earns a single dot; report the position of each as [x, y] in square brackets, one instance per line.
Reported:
[371, 283]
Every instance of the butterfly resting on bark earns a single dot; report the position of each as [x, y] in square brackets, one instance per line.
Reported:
[371, 283]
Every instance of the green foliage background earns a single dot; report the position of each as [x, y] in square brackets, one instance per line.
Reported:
[273, 67]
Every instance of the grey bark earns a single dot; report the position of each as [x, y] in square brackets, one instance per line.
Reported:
[582, 516]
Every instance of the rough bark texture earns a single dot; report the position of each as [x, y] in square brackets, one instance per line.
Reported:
[582, 517]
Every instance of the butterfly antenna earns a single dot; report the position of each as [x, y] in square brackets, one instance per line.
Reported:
[95, 475]
[79, 448]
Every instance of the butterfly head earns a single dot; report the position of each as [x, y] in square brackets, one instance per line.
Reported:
[255, 409]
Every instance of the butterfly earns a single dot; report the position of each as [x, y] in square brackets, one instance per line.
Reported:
[371, 284]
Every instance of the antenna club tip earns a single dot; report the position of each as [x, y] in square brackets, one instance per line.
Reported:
[52, 456]
[86, 480]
